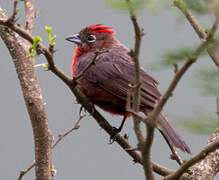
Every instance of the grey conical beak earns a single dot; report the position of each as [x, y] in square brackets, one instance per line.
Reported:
[75, 38]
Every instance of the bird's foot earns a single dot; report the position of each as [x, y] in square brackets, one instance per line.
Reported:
[82, 108]
[92, 107]
[115, 135]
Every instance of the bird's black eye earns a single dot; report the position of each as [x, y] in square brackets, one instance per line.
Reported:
[91, 38]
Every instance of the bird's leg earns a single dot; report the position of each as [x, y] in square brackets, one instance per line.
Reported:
[92, 107]
[83, 108]
[117, 131]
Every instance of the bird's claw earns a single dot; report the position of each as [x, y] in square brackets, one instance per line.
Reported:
[85, 111]
[115, 135]
[93, 108]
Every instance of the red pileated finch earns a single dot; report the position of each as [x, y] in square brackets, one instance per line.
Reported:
[106, 83]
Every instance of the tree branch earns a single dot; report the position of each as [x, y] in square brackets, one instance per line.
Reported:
[145, 144]
[33, 99]
[75, 127]
[181, 72]
[29, 15]
[137, 86]
[22, 173]
[194, 23]
[60, 137]
[203, 154]
[208, 166]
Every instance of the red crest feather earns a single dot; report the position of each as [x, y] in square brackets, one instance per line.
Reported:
[100, 28]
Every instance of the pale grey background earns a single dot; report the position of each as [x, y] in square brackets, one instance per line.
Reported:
[85, 153]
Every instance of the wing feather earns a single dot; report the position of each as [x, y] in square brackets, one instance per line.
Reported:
[114, 72]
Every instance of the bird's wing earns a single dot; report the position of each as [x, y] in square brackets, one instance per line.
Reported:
[115, 74]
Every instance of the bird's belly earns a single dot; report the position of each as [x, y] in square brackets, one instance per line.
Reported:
[103, 98]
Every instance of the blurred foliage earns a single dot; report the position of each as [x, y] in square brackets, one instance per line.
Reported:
[123, 5]
[153, 6]
[203, 123]
[198, 6]
[208, 81]
[174, 56]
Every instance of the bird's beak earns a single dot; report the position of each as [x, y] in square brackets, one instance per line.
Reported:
[75, 38]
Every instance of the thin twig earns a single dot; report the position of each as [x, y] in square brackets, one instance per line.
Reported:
[22, 173]
[146, 152]
[11, 19]
[75, 127]
[132, 149]
[49, 56]
[60, 137]
[196, 26]
[174, 155]
[145, 144]
[208, 149]
[136, 117]
[181, 72]
[194, 23]
[176, 68]
[136, 114]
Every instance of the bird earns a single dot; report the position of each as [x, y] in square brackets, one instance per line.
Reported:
[106, 83]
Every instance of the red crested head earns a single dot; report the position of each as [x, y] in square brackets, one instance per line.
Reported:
[92, 35]
[98, 28]
[91, 38]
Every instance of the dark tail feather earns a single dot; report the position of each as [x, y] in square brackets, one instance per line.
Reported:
[171, 135]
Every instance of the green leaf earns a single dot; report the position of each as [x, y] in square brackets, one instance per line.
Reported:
[202, 123]
[32, 49]
[51, 38]
[45, 66]
[16, 10]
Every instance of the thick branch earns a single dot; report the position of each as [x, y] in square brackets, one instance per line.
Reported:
[33, 99]
[203, 154]
[208, 166]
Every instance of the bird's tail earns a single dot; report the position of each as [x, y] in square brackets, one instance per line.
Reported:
[171, 135]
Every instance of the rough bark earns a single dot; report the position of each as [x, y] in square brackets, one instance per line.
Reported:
[18, 50]
[207, 168]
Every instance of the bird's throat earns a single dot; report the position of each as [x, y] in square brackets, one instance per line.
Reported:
[77, 53]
